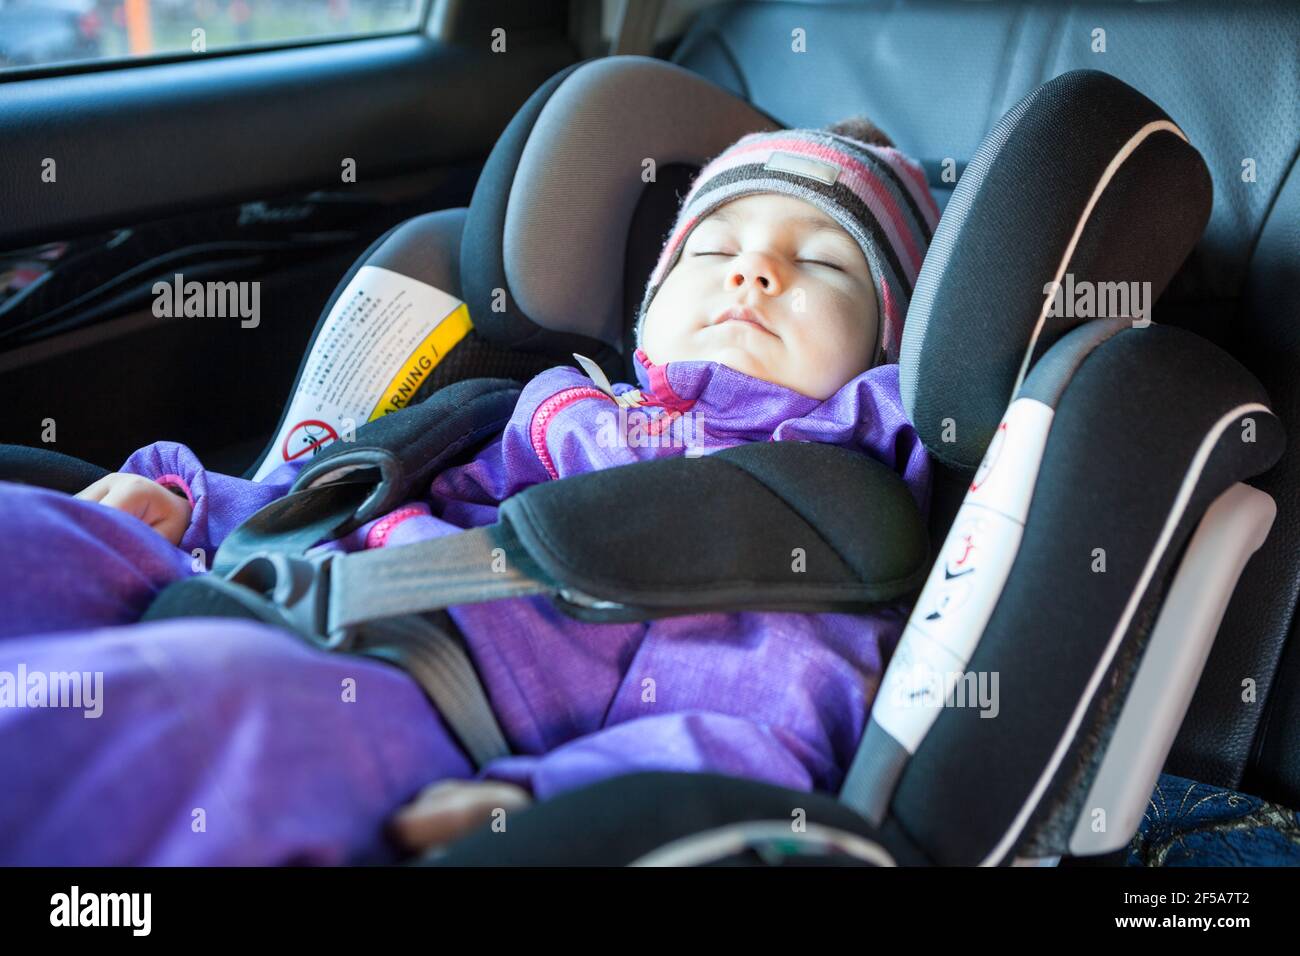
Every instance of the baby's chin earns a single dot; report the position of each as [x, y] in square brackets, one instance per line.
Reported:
[733, 354]
[736, 357]
[740, 351]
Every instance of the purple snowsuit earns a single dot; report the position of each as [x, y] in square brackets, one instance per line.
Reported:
[225, 741]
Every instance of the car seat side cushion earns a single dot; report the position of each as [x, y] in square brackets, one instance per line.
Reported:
[773, 525]
[46, 468]
[1151, 426]
[1020, 258]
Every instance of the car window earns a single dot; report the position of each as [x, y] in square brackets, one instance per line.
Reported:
[42, 33]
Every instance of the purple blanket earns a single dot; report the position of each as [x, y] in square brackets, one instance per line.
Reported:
[215, 741]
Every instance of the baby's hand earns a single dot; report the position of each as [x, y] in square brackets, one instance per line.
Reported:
[163, 510]
[450, 809]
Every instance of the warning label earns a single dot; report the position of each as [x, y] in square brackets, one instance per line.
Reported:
[306, 438]
[381, 340]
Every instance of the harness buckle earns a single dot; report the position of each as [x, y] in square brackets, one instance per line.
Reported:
[299, 588]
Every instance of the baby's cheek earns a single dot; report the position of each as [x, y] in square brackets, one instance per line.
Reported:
[833, 323]
[669, 314]
[856, 322]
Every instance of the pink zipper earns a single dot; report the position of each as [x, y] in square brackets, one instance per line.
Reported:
[377, 536]
[548, 410]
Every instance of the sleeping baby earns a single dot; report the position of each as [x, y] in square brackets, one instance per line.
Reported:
[775, 312]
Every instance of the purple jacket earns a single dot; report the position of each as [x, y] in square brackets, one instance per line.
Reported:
[776, 696]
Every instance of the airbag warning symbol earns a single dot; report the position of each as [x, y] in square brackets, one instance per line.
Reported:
[307, 438]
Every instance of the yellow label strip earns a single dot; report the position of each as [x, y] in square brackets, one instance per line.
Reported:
[422, 361]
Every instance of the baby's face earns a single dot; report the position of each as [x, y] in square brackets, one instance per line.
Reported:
[805, 280]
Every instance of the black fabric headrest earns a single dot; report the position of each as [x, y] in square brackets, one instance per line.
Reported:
[1085, 180]
[551, 218]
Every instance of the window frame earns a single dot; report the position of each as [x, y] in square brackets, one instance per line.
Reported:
[432, 22]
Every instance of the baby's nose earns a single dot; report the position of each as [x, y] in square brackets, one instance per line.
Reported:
[755, 269]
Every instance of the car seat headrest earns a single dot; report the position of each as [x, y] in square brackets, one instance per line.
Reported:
[1085, 180]
[544, 253]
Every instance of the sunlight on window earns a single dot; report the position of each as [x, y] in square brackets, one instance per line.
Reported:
[43, 32]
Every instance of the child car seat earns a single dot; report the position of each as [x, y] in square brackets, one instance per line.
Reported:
[1102, 531]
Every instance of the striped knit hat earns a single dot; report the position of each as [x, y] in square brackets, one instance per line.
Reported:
[876, 193]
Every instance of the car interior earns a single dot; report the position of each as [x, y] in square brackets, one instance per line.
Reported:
[1134, 141]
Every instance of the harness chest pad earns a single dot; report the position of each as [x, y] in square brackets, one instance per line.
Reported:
[795, 526]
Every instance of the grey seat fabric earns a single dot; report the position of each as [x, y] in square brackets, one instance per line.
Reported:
[937, 74]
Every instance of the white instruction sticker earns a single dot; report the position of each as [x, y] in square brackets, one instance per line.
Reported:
[382, 339]
[966, 582]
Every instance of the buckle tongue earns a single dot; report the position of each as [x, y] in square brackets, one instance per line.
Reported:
[299, 588]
